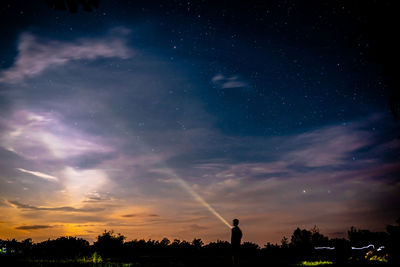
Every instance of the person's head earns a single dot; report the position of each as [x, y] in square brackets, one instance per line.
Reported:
[235, 222]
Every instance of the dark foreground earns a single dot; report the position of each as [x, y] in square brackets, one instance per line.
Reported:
[306, 248]
[170, 261]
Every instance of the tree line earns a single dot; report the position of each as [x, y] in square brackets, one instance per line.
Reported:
[303, 245]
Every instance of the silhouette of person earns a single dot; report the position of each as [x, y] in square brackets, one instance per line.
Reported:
[235, 242]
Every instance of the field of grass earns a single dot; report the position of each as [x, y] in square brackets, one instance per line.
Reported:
[170, 261]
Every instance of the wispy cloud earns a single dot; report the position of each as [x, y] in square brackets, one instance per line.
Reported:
[328, 146]
[19, 205]
[97, 197]
[33, 227]
[36, 54]
[139, 215]
[40, 175]
[228, 81]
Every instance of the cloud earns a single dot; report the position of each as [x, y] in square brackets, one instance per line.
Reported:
[40, 175]
[97, 197]
[139, 215]
[129, 215]
[81, 184]
[228, 82]
[45, 136]
[339, 168]
[46, 141]
[36, 54]
[329, 146]
[33, 227]
[19, 205]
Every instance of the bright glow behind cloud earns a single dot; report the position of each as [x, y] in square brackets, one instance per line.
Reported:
[45, 136]
[80, 183]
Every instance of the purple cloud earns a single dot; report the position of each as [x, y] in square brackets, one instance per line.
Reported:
[39, 174]
[228, 82]
[44, 136]
[36, 54]
[328, 146]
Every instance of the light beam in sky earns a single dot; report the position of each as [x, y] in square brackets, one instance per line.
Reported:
[202, 201]
[196, 196]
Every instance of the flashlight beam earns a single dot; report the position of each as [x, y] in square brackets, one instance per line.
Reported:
[196, 196]
[201, 201]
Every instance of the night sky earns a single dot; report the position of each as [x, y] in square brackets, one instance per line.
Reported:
[126, 117]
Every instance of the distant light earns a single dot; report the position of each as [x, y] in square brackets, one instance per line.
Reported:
[370, 245]
[380, 248]
[355, 248]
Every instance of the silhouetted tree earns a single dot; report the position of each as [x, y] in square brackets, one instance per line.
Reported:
[62, 248]
[249, 248]
[342, 250]
[218, 248]
[301, 242]
[393, 242]
[109, 245]
[304, 241]
[360, 238]
[165, 242]
[197, 243]
[275, 253]
[285, 242]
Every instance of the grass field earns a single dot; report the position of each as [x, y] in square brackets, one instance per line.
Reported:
[170, 261]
